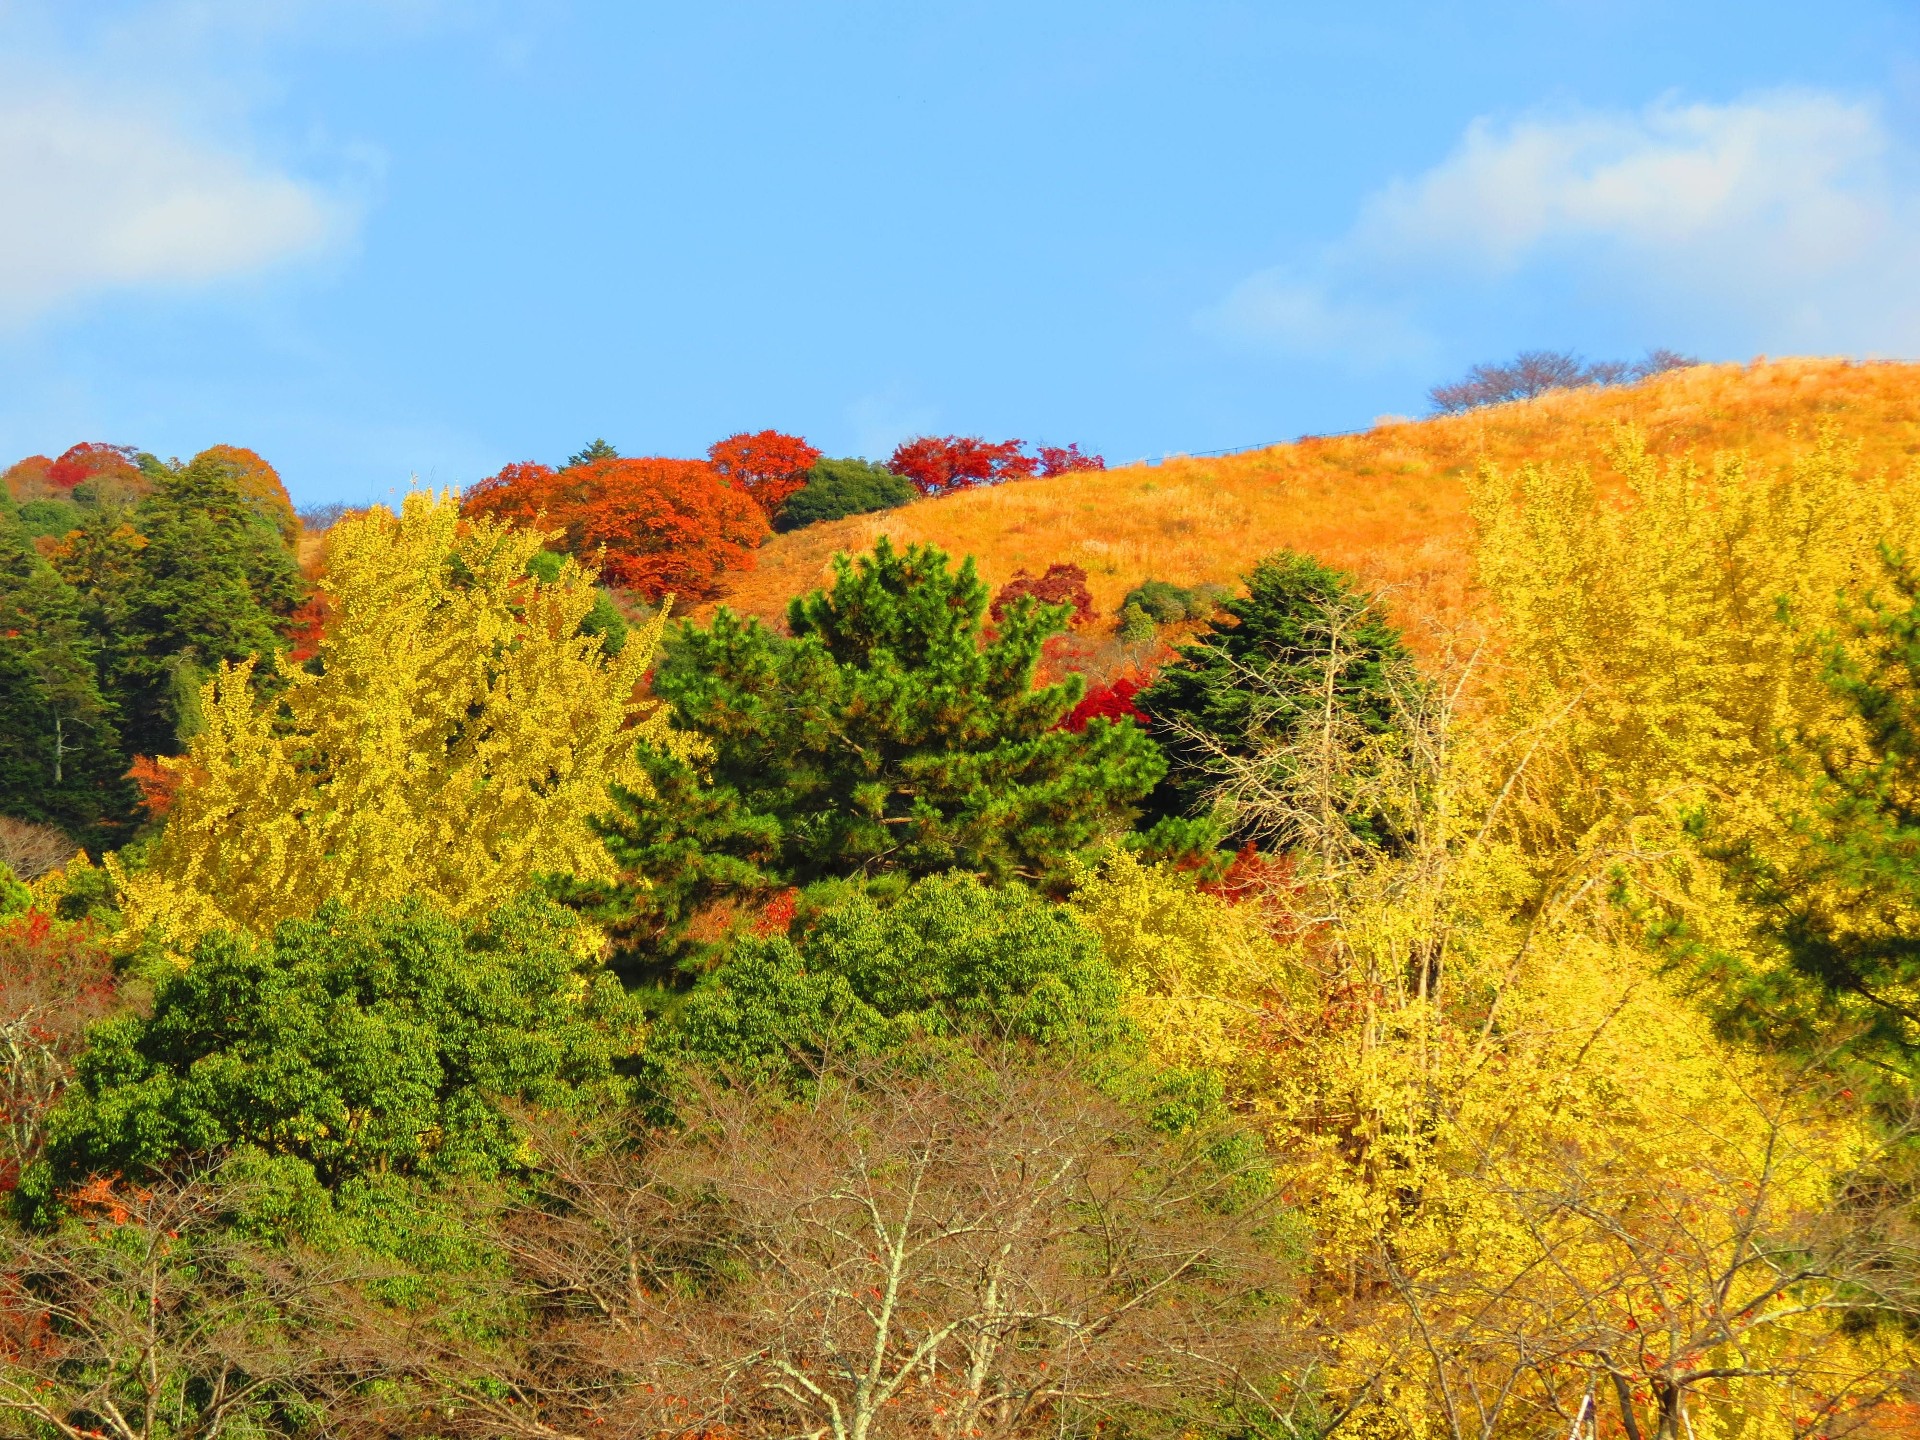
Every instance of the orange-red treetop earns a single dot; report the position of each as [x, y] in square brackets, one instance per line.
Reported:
[653, 525]
[766, 464]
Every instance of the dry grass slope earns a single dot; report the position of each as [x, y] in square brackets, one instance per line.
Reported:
[1390, 503]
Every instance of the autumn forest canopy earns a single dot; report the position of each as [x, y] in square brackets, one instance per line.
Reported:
[1404, 935]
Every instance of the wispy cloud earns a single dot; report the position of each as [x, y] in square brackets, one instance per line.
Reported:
[132, 157]
[102, 196]
[1782, 219]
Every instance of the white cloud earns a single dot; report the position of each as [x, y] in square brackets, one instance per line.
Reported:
[1781, 221]
[1798, 178]
[99, 196]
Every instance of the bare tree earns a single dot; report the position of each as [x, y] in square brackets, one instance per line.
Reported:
[1004, 1254]
[31, 850]
[51, 989]
[1653, 1292]
[1535, 372]
[146, 1317]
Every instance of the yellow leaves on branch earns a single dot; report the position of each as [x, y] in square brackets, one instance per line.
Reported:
[457, 738]
[1194, 971]
[1672, 613]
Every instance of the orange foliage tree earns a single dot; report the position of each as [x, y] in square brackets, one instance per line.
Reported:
[655, 526]
[766, 464]
[260, 483]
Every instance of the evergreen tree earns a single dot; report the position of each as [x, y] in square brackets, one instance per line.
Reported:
[60, 756]
[885, 737]
[390, 1041]
[194, 576]
[1270, 664]
[1843, 899]
[952, 957]
[836, 488]
[592, 454]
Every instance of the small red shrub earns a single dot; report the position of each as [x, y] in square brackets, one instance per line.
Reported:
[1106, 702]
[1061, 585]
[158, 785]
[776, 917]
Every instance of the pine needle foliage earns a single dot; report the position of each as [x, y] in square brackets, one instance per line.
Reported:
[886, 736]
[1301, 651]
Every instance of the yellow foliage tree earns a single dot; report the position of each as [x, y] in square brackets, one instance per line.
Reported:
[1662, 632]
[1534, 1173]
[452, 741]
[1194, 971]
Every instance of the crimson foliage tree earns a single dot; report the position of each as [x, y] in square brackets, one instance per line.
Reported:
[939, 463]
[769, 466]
[89, 459]
[1061, 585]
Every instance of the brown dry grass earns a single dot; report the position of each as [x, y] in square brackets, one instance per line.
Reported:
[1389, 504]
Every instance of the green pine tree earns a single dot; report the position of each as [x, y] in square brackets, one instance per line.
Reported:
[193, 576]
[1843, 902]
[886, 737]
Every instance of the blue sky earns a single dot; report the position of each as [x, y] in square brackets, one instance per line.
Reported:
[386, 239]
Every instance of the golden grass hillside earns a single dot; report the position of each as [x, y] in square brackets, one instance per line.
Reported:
[1389, 503]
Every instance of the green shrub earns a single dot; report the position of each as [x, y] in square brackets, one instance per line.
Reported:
[386, 1043]
[1165, 603]
[836, 488]
[952, 957]
[1136, 625]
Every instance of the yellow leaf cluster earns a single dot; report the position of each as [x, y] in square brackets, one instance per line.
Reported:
[453, 740]
[1194, 972]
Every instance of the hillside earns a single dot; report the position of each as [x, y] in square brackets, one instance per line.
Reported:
[1389, 503]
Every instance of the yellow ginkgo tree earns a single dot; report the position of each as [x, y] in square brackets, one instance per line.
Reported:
[453, 741]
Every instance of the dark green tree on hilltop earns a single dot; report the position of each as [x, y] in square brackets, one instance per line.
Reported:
[837, 488]
[887, 736]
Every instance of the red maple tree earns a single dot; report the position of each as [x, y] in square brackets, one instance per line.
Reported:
[941, 463]
[655, 526]
[1064, 460]
[90, 458]
[766, 464]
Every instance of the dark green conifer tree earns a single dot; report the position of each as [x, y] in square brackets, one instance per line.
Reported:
[60, 756]
[1262, 670]
[887, 736]
[1843, 901]
[193, 576]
